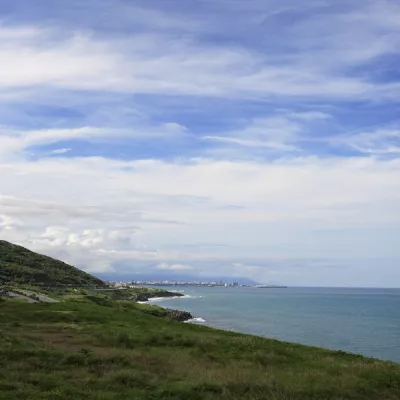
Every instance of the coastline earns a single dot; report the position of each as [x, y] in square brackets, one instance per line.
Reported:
[154, 296]
[184, 316]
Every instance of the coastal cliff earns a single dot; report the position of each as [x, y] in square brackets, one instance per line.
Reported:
[176, 315]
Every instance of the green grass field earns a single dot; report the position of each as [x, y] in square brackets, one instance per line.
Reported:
[90, 346]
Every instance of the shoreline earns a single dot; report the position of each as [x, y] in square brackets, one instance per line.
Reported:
[193, 320]
[149, 297]
[178, 315]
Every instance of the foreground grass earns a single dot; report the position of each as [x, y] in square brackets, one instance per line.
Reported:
[92, 347]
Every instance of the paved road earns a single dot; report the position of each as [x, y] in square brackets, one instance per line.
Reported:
[42, 298]
[20, 296]
[27, 296]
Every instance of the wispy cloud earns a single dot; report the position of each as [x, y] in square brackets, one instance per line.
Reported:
[281, 132]
[60, 151]
[382, 141]
[174, 267]
[152, 62]
[12, 142]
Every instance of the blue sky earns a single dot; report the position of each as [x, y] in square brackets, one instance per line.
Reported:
[257, 139]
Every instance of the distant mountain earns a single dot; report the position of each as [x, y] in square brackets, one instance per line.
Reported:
[22, 266]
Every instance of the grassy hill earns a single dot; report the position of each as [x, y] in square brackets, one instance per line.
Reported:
[19, 265]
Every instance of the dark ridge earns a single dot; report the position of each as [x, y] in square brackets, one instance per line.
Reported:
[19, 265]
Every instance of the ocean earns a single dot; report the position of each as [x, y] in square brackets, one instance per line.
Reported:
[363, 321]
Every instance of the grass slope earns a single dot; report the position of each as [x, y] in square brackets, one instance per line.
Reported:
[22, 266]
[89, 346]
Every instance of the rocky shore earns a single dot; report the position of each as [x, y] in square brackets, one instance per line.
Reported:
[177, 315]
[146, 296]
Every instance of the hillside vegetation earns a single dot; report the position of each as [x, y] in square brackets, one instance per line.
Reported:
[19, 265]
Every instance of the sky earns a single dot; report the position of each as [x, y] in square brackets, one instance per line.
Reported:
[256, 139]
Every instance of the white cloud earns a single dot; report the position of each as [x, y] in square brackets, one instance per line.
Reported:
[310, 116]
[22, 33]
[8, 223]
[278, 132]
[13, 142]
[174, 267]
[60, 151]
[381, 141]
[301, 194]
[251, 143]
[45, 60]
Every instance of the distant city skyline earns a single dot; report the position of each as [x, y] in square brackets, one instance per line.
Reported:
[173, 283]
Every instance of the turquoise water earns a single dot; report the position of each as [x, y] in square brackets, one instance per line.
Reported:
[364, 321]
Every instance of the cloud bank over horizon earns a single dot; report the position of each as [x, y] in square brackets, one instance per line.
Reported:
[255, 139]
